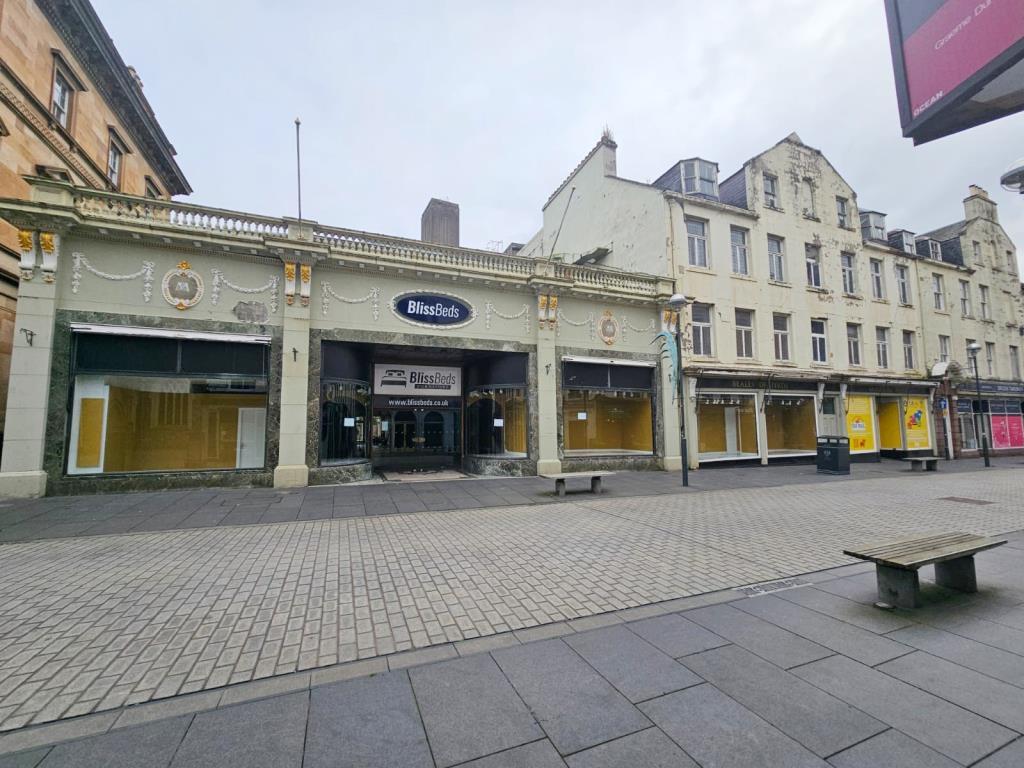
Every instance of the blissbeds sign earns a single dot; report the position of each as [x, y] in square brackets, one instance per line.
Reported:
[433, 309]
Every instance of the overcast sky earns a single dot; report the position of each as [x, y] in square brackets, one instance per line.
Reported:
[490, 104]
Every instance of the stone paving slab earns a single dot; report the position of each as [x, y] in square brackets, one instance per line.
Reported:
[743, 711]
[95, 623]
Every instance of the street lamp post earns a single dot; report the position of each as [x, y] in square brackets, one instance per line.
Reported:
[678, 303]
[973, 349]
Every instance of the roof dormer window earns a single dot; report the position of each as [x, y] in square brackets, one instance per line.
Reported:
[700, 177]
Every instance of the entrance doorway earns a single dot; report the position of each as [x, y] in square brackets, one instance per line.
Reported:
[417, 438]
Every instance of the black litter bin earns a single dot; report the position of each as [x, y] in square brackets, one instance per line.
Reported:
[834, 455]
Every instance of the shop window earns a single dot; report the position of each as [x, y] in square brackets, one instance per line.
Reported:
[726, 427]
[166, 424]
[790, 424]
[968, 433]
[344, 406]
[611, 414]
[496, 421]
[1007, 425]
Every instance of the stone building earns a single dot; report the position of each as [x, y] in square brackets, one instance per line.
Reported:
[806, 316]
[71, 110]
[173, 345]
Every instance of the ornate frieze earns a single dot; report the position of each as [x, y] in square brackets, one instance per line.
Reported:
[220, 280]
[589, 322]
[79, 263]
[327, 293]
[490, 309]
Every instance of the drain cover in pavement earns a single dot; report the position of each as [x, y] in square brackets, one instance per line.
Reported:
[770, 586]
[965, 500]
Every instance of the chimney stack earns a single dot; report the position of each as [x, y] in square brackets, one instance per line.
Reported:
[440, 223]
[978, 205]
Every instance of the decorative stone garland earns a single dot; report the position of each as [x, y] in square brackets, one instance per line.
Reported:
[219, 279]
[490, 309]
[588, 322]
[79, 262]
[328, 293]
[628, 326]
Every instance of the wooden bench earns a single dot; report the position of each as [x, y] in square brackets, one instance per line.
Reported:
[561, 477]
[927, 463]
[896, 563]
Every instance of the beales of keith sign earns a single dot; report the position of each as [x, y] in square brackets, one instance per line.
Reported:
[433, 309]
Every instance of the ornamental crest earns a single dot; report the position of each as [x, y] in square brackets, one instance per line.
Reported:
[608, 327]
[182, 287]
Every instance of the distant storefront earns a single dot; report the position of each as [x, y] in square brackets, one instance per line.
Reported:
[998, 416]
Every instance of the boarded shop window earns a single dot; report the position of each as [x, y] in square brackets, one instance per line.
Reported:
[790, 424]
[726, 427]
[607, 409]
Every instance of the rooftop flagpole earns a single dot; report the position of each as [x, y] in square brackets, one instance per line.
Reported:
[298, 169]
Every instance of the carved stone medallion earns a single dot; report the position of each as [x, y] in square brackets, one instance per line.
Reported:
[608, 327]
[182, 287]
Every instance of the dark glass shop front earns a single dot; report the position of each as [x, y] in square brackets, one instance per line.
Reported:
[401, 408]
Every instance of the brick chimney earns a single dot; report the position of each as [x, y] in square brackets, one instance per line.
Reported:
[978, 205]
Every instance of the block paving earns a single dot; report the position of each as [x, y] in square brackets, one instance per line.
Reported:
[92, 624]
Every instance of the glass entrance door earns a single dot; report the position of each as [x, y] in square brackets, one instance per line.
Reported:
[417, 438]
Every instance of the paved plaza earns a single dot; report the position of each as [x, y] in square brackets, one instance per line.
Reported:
[206, 618]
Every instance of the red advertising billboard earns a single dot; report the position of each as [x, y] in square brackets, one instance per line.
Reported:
[958, 63]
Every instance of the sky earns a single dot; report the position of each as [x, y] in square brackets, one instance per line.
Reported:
[491, 105]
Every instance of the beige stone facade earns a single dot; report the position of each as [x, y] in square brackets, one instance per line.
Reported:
[42, 41]
[801, 298]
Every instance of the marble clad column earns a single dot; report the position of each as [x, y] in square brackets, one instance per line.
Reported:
[291, 470]
[21, 470]
[548, 371]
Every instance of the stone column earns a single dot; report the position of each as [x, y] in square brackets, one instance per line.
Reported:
[21, 470]
[291, 470]
[548, 371]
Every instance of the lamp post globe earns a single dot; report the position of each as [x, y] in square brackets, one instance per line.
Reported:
[973, 349]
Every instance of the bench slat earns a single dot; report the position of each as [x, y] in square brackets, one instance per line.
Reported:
[915, 552]
[565, 475]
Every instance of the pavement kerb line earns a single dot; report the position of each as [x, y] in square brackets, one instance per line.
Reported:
[32, 737]
[554, 501]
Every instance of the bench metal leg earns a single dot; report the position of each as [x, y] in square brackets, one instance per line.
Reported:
[560, 487]
[595, 485]
[957, 574]
[897, 586]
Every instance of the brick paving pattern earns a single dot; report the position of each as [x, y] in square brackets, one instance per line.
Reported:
[91, 624]
[809, 676]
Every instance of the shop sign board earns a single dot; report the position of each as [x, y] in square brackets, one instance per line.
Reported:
[915, 420]
[433, 309]
[433, 381]
[996, 387]
[413, 401]
[860, 423]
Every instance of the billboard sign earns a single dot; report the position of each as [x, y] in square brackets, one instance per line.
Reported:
[958, 63]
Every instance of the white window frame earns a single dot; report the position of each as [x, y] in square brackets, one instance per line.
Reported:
[882, 346]
[853, 349]
[771, 190]
[745, 336]
[983, 299]
[935, 250]
[972, 360]
[697, 244]
[903, 284]
[740, 251]
[990, 358]
[875, 267]
[848, 262]
[945, 348]
[1015, 362]
[842, 212]
[700, 177]
[812, 259]
[965, 298]
[908, 350]
[939, 291]
[116, 151]
[780, 336]
[63, 87]
[819, 341]
[777, 259]
[703, 332]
